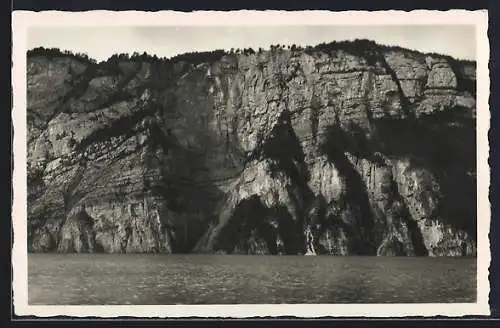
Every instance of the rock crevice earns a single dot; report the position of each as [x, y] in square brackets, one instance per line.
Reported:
[341, 149]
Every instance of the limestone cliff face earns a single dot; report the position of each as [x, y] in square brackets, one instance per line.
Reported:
[341, 150]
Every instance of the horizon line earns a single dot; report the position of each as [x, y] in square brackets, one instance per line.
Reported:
[269, 48]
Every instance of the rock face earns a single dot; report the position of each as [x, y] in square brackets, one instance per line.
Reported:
[341, 149]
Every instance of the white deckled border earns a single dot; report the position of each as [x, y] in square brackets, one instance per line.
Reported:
[21, 20]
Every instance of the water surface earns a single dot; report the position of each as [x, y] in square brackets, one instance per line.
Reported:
[106, 279]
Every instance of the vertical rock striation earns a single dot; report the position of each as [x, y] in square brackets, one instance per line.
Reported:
[342, 149]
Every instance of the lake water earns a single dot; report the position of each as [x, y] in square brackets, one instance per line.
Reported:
[105, 279]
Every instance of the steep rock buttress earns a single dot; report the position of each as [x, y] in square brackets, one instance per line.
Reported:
[355, 149]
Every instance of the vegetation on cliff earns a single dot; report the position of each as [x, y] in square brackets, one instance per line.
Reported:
[341, 148]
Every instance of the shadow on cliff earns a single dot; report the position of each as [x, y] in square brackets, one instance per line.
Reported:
[444, 143]
[192, 202]
[285, 150]
[256, 229]
[190, 186]
[275, 225]
[283, 147]
[336, 145]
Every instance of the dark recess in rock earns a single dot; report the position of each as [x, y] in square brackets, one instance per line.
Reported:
[344, 148]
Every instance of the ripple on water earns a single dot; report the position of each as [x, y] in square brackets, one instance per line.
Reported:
[125, 279]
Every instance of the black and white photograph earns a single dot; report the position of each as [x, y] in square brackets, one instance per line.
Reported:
[306, 164]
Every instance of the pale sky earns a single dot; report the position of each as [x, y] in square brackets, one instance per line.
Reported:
[100, 43]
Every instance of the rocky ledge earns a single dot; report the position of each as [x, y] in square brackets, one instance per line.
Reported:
[347, 148]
